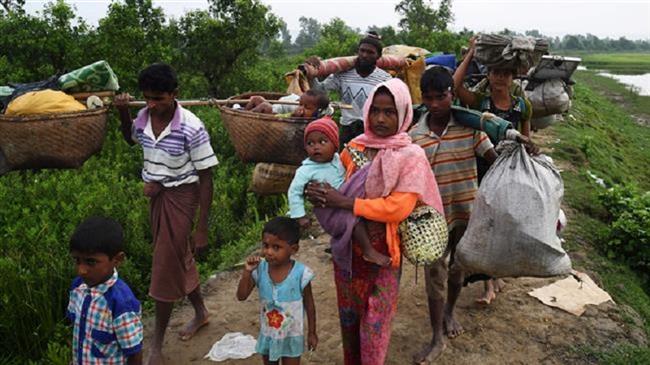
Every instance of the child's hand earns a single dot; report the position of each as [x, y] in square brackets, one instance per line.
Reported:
[299, 113]
[312, 341]
[251, 263]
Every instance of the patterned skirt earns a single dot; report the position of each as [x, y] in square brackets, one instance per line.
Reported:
[367, 301]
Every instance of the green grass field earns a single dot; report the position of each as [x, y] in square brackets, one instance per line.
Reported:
[621, 63]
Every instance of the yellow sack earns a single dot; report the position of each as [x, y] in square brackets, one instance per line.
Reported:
[43, 102]
[297, 82]
[412, 75]
[404, 51]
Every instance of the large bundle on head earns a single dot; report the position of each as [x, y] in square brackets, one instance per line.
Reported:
[500, 51]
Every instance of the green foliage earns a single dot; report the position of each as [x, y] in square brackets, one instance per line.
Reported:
[308, 35]
[628, 236]
[225, 39]
[12, 6]
[426, 27]
[40, 210]
[336, 39]
[35, 48]
[131, 27]
[419, 17]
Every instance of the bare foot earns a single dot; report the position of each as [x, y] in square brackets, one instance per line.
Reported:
[451, 327]
[193, 326]
[155, 357]
[372, 255]
[489, 295]
[487, 298]
[499, 285]
[429, 353]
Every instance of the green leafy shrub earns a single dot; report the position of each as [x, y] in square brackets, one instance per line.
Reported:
[40, 209]
[628, 236]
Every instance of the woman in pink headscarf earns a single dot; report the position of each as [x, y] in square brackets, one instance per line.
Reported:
[396, 177]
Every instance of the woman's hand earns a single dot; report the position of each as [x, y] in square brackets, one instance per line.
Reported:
[324, 195]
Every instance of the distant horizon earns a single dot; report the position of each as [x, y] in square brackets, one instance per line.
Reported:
[629, 19]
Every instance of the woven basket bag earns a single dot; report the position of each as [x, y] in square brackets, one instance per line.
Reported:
[51, 141]
[264, 137]
[424, 235]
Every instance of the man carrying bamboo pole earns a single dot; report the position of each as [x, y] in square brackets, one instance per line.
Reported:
[355, 85]
[177, 173]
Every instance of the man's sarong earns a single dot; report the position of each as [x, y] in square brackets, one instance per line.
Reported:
[173, 272]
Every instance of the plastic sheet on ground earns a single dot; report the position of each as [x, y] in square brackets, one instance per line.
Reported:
[234, 345]
[572, 295]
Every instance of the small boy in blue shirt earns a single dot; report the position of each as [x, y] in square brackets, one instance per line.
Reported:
[104, 311]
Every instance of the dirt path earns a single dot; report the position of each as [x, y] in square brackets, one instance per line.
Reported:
[515, 329]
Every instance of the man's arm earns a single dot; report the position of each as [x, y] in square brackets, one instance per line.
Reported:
[490, 156]
[121, 102]
[135, 359]
[205, 201]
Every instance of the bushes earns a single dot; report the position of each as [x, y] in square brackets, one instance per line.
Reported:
[40, 209]
[628, 236]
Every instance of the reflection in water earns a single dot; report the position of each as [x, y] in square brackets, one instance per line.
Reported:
[638, 83]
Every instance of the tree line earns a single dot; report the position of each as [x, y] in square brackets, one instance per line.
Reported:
[217, 52]
[223, 50]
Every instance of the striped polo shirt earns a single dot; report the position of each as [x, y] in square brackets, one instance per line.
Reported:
[453, 159]
[354, 90]
[180, 151]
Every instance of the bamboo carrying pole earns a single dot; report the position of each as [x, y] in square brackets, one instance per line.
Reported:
[206, 102]
[140, 103]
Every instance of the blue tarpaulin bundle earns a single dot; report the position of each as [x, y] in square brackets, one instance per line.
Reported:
[446, 60]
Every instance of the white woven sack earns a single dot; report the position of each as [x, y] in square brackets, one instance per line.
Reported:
[512, 229]
[549, 97]
[423, 235]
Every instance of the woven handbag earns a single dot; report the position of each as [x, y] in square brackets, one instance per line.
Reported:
[424, 235]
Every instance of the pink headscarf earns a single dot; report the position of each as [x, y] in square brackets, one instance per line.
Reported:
[399, 166]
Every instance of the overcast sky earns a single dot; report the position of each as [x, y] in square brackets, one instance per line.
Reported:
[612, 18]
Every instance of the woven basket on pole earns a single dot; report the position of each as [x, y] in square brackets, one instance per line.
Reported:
[58, 140]
[264, 137]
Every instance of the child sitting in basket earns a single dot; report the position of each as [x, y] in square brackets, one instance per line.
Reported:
[324, 165]
[312, 104]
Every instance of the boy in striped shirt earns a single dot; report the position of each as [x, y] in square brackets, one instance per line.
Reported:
[451, 149]
[177, 177]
